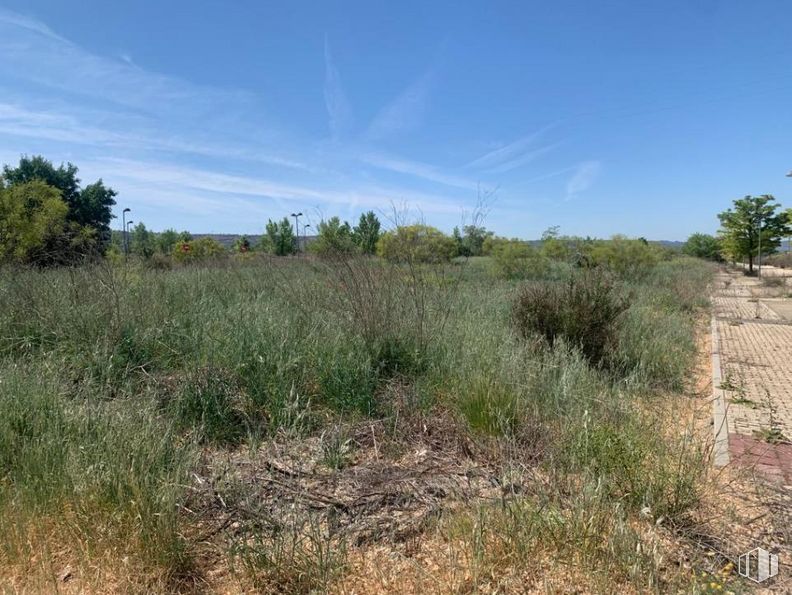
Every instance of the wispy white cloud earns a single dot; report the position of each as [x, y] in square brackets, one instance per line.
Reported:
[210, 152]
[405, 112]
[523, 159]
[338, 107]
[585, 175]
[418, 170]
[55, 125]
[32, 25]
[19, 121]
[33, 52]
[172, 177]
[514, 154]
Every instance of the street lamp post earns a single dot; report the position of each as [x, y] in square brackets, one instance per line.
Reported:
[759, 270]
[297, 228]
[124, 227]
[305, 236]
[126, 232]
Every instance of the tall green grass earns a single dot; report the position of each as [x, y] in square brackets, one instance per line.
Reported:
[113, 377]
[101, 477]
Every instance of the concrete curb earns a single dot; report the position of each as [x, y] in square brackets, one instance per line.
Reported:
[720, 451]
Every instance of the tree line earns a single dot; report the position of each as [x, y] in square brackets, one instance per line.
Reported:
[47, 217]
[754, 226]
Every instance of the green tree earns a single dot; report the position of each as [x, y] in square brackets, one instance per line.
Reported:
[166, 240]
[366, 233]
[32, 219]
[333, 238]
[142, 241]
[553, 245]
[474, 238]
[459, 243]
[702, 245]
[753, 220]
[471, 241]
[788, 215]
[87, 207]
[416, 244]
[279, 238]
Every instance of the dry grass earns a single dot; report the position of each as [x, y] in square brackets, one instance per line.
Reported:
[327, 442]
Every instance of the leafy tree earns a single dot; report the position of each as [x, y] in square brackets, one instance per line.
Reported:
[471, 242]
[64, 178]
[87, 207]
[788, 215]
[474, 238]
[553, 245]
[753, 220]
[94, 208]
[366, 233]
[279, 238]
[459, 243]
[142, 241]
[416, 244]
[333, 237]
[702, 245]
[32, 218]
[166, 240]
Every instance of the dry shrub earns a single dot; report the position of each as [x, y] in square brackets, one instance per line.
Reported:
[584, 311]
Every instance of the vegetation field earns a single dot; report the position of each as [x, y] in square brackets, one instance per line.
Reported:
[277, 424]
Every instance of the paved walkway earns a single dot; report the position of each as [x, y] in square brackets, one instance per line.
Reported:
[753, 350]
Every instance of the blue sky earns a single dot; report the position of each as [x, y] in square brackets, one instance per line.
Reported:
[644, 118]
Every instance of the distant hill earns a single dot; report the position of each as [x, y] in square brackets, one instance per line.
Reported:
[229, 239]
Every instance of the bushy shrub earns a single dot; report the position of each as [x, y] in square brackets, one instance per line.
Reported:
[416, 244]
[32, 216]
[516, 259]
[201, 248]
[626, 257]
[583, 310]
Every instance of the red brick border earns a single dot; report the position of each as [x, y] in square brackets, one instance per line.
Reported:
[772, 460]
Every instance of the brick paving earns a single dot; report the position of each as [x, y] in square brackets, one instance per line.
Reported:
[741, 308]
[755, 349]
